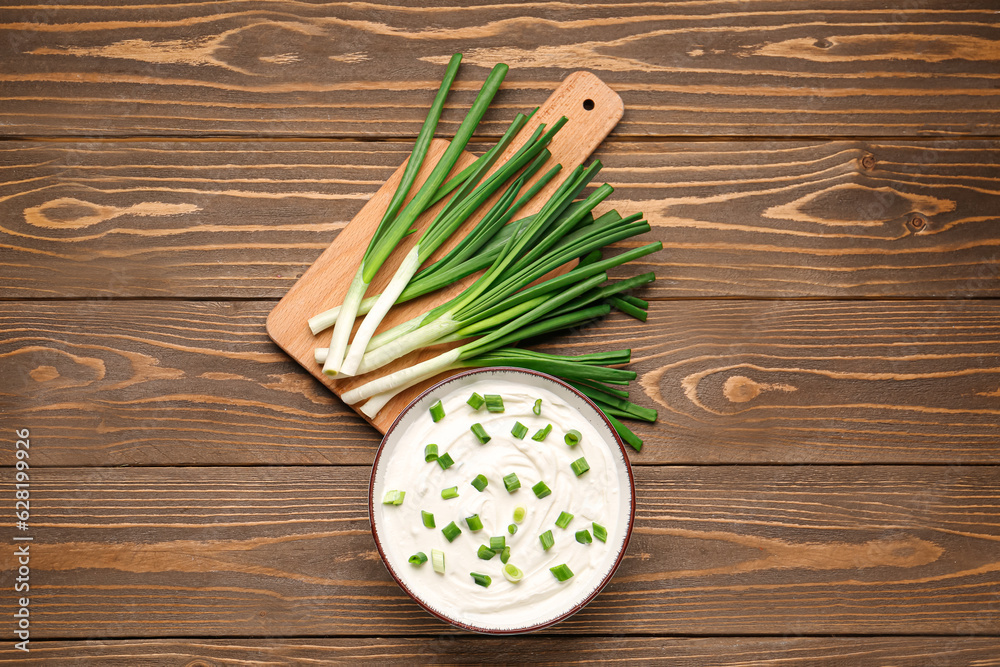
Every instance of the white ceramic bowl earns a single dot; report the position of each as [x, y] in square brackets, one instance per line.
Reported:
[536, 614]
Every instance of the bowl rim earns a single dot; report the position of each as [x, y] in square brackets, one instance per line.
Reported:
[575, 608]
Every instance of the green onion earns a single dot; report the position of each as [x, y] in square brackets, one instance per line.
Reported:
[485, 552]
[451, 531]
[505, 555]
[430, 453]
[476, 401]
[480, 482]
[519, 513]
[512, 528]
[512, 574]
[600, 532]
[427, 518]
[437, 561]
[418, 559]
[542, 433]
[494, 402]
[511, 482]
[541, 489]
[450, 492]
[481, 579]
[498, 543]
[393, 497]
[561, 572]
[519, 430]
[547, 540]
[445, 461]
[628, 308]
[480, 433]
[572, 438]
[579, 466]
[583, 536]
[564, 519]
[635, 301]
[537, 408]
[630, 438]
[474, 523]
[437, 412]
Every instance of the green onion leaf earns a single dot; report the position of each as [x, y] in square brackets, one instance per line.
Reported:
[451, 531]
[505, 555]
[572, 437]
[450, 492]
[445, 461]
[519, 513]
[583, 536]
[393, 497]
[427, 518]
[519, 430]
[564, 519]
[482, 579]
[494, 402]
[579, 466]
[600, 532]
[485, 552]
[630, 438]
[437, 561]
[431, 453]
[541, 489]
[511, 482]
[512, 528]
[537, 408]
[512, 574]
[498, 543]
[547, 540]
[561, 572]
[418, 559]
[542, 433]
[474, 523]
[480, 482]
[476, 401]
[480, 433]
[437, 412]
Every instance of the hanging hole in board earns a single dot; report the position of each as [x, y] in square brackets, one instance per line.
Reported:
[588, 104]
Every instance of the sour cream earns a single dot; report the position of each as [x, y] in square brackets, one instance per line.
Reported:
[599, 495]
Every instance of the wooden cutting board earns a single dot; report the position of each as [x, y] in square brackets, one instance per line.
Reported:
[593, 110]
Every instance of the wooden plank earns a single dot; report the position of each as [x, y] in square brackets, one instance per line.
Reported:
[168, 383]
[592, 110]
[236, 219]
[549, 650]
[270, 551]
[343, 69]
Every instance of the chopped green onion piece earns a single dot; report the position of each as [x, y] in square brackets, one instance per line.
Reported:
[600, 532]
[547, 540]
[537, 408]
[505, 555]
[437, 560]
[445, 461]
[541, 489]
[418, 559]
[542, 433]
[511, 482]
[561, 572]
[580, 466]
[437, 412]
[482, 579]
[564, 519]
[519, 430]
[485, 552]
[474, 523]
[476, 401]
[512, 528]
[572, 438]
[494, 402]
[512, 574]
[427, 518]
[498, 543]
[450, 492]
[480, 482]
[519, 513]
[583, 536]
[480, 433]
[451, 531]
[431, 453]
[393, 497]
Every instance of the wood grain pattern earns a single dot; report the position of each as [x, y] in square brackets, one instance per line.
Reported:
[362, 69]
[166, 383]
[270, 551]
[325, 283]
[549, 650]
[770, 219]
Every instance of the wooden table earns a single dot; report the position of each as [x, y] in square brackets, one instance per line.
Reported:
[823, 345]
